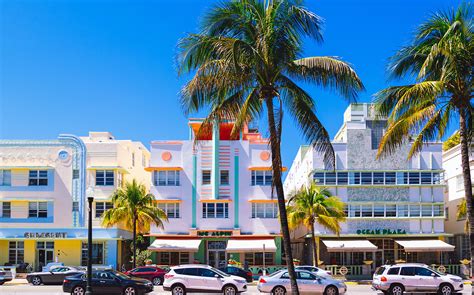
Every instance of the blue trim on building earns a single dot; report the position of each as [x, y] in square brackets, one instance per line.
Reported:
[33, 188]
[112, 253]
[51, 209]
[72, 233]
[49, 219]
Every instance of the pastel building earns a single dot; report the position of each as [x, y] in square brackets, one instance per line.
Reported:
[216, 190]
[43, 207]
[454, 194]
[395, 206]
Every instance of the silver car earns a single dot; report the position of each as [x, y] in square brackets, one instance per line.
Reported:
[278, 283]
[412, 277]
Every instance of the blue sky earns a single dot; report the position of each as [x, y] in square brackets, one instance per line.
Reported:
[73, 66]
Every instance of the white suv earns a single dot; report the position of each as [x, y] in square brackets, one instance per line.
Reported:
[202, 279]
[413, 277]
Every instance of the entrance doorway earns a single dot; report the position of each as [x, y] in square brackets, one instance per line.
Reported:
[44, 254]
[216, 255]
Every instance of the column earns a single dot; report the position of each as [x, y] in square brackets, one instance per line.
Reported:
[215, 160]
[236, 189]
[194, 190]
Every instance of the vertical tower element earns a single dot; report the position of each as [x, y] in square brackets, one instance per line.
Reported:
[215, 160]
[236, 188]
[194, 190]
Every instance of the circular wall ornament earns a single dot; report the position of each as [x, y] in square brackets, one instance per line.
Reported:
[442, 268]
[63, 155]
[343, 270]
[166, 156]
[265, 156]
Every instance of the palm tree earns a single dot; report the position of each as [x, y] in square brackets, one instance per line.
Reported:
[247, 59]
[311, 204]
[136, 209]
[441, 59]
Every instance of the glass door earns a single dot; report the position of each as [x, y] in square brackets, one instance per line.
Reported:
[216, 255]
[44, 254]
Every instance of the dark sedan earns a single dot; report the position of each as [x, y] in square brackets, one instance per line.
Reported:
[107, 282]
[152, 273]
[236, 271]
[54, 277]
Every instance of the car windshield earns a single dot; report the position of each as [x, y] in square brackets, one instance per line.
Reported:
[220, 272]
[122, 275]
[275, 273]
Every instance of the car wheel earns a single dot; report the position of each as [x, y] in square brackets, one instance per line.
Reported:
[396, 290]
[446, 290]
[331, 290]
[36, 280]
[178, 290]
[78, 290]
[156, 281]
[229, 290]
[279, 290]
[130, 291]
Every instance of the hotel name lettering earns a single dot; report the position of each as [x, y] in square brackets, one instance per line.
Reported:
[384, 231]
[214, 233]
[45, 235]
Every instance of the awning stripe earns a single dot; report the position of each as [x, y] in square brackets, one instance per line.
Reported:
[424, 245]
[251, 245]
[178, 245]
[349, 245]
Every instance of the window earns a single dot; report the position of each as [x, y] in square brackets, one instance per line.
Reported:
[354, 177]
[75, 173]
[330, 178]
[393, 271]
[171, 209]
[426, 210]
[415, 210]
[342, 178]
[425, 177]
[206, 176]
[437, 210]
[215, 210]
[264, 210]
[379, 178]
[402, 210]
[366, 210]
[391, 210]
[260, 177]
[390, 178]
[173, 258]
[75, 206]
[319, 177]
[366, 177]
[133, 159]
[167, 178]
[379, 210]
[414, 177]
[104, 177]
[97, 253]
[38, 178]
[402, 178]
[437, 177]
[424, 272]
[6, 209]
[101, 207]
[301, 275]
[38, 209]
[143, 160]
[459, 183]
[16, 252]
[204, 272]
[256, 258]
[224, 177]
[354, 211]
[5, 178]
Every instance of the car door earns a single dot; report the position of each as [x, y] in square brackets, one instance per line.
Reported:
[428, 281]
[191, 277]
[285, 280]
[210, 280]
[308, 283]
[408, 279]
[58, 275]
[107, 283]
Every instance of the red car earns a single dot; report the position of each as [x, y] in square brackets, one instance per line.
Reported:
[152, 273]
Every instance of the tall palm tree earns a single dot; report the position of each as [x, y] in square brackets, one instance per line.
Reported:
[136, 209]
[441, 59]
[313, 204]
[247, 59]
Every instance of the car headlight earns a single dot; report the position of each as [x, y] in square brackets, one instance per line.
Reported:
[241, 281]
[456, 280]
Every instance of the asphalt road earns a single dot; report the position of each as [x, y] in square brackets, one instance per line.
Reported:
[9, 289]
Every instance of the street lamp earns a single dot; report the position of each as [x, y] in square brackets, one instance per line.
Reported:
[90, 199]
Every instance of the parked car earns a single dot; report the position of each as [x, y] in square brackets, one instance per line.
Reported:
[203, 279]
[316, 270]
[55, 276]
[278, 283]
[107, 282]
[411, 277]
[151, 273]
[237, 271]
[5, 276]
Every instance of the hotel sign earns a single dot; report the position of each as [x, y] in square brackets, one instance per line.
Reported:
[214, 233]
[384, 231]
[48, 235]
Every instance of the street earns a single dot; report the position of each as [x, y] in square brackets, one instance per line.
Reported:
[10, 289]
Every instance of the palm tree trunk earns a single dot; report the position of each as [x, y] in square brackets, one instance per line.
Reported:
[134, 241]
[277, 183]
[466, 171]
[315, 247]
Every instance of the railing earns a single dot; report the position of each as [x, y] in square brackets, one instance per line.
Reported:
[258, 269]
[345, 270]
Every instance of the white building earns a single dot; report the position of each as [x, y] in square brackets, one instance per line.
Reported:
[393, 204]
[217, 194]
